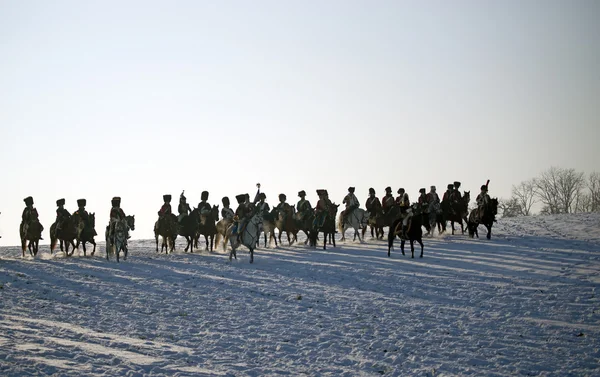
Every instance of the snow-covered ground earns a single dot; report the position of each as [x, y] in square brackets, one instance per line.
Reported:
[524, 303]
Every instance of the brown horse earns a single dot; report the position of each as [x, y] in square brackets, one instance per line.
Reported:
[268, 228]
[376, 222]
[222, 226]
[324, 223]
[284, 221]
[86, 232]
[304, 221]
[33, 235]
[166, 227]
[189, 228]
[66, 235]
[207, 227]
[457, 211]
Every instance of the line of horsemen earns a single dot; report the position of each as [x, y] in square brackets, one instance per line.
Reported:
[400, 207]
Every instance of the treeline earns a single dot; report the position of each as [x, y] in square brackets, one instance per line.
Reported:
[558, 190]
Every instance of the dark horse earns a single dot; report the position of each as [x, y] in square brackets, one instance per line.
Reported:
[488, 218]
[456, 211]
[189, 227]
[66, 235]
[167, 228]
[376, 222]
[208, 227]
[326, 225]
[304, 223]
[414, 233]
[86, 232]
[34, 233]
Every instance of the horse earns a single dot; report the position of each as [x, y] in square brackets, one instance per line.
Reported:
[457, 211]
[487, 219]
[436, 218]
[248, 237]
[304, 221]
[120, 236]
[414, 233]
[222, 226]
[66, 235]
[327, 227]
[268, 228]
[166, 227]
[284, 221]
[189, 228]
[33, 235]
[357, 220]
[207, 226]
[392, 214]
[86, 232]
[376, 222]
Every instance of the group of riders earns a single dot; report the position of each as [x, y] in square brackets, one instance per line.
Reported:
[428, 202]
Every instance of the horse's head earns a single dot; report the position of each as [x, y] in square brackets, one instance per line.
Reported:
[493, 206]
[92, 219]
[467, 197]
[215, 212]
[130, 221]
[333, 208]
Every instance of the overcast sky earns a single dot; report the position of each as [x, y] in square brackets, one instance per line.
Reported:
[142, 98]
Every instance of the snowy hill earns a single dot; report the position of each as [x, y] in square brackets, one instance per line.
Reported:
[524, 303]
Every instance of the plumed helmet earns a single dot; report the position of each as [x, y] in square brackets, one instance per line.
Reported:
[167, 198]
[262, 196]
[372, 191]
[433, 188]
[388, 189]
[241, 198]
[28, 200]
[282, 197]
[81, 202]
[320, 192]
[204, 195]
[301, 193]
[450, 186]
[182, 197]
[116, 201]
[60, 202]
[422, 191]
[350, 189]
[225, 201]
[456, 184]
[400, 190]
[484, 187]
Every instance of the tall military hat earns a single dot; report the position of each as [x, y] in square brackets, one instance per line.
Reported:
[225, 201]
[350, 189]
[456, 184]
[204, 195]
[301, 193]
[320, 192]
[116, 201]
[167, 198]
[262, 195]
[388, 189]
[450, 186]
[182, 197]
[422, 190]
[371, 190]
[282, 197]
[28, 200]
[241, 198]
[432, 187]
[484, 187]
[81, 202]
[400, 190]
[60, 202]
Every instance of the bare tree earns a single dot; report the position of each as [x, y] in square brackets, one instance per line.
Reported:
[583, 203]
[524, 194]
[559, 188]
[509, 207]
[593, 184]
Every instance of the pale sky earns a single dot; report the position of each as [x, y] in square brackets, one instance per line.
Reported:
[142, 98]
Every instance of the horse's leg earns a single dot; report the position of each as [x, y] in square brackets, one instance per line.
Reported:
[206, 242]
[287, 233]
[83, 246]
[462, 229]
[412, 248]
[252, 255]
[489, 233]
[420, 241]
[402, 245]
[94, 250]
[324, 240]
[156, 238]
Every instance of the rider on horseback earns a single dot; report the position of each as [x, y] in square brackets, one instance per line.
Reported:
[433, 199]
[62, 215]
[242, 214]
[455, 196]
[351, 203]
[373, 204]
[448, 193]
[388, 200]
[226, 213]
[423, 200]
[116, 214]
[262, 206]
[29, 214]
[482, 201]
[204, 207]
[405, 210]
[183, 208]
[303, 207]
[165, 210]
[83, 214]
[322, 208]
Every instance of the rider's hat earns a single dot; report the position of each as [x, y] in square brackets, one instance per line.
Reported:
[400, 190]
[28, 200]
[484, 187]
[182, 197]
[262, 195]
[301, 193]
[371, 190]
[350, 189]
[240, 198]
[320, 192]
[422, 191]
[225, 201]
[450, 186]
[167, 198]
[204, 195]
[456, 184]
[388, 189]
[433, 187]
[282, 197]
[60, 202]
[116, 201]
[81, 202]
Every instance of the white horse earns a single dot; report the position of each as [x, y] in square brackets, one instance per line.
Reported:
[357, 220]
[248, 238]
[120, 236]
[222, 227]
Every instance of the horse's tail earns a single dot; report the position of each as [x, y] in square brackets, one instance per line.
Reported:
[340, 223]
